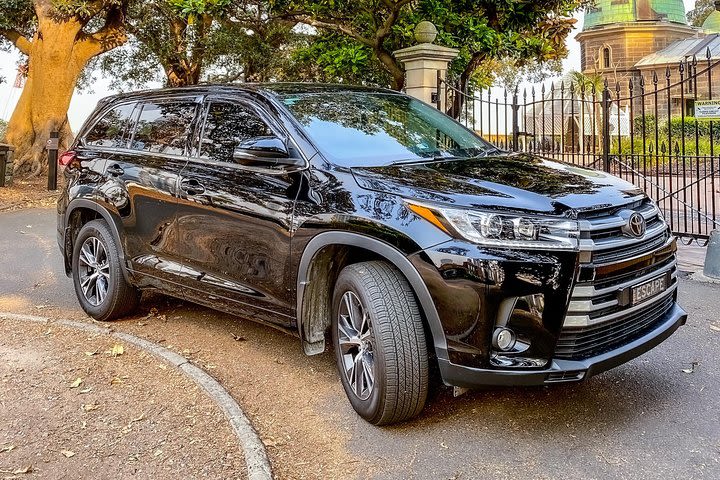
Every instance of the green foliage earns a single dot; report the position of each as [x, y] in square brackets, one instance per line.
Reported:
[677, 127]
[187, 8]
[330, 57]
[81, 8]
[516, 33]
[18, 15]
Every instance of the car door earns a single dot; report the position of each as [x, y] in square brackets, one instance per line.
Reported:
[141, 182]
[234, 220]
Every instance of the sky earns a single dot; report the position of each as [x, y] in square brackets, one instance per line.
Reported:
[83, 103]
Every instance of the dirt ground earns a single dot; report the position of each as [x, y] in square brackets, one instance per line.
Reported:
[80, 405]
[28, 194]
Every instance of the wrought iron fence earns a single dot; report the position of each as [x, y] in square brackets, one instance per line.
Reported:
[641, 129]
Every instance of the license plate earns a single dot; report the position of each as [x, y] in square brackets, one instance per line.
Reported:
[647, 290]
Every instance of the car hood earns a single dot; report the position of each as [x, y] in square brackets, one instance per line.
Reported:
[519, 182]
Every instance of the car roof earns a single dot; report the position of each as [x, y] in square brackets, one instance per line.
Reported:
[280, 89]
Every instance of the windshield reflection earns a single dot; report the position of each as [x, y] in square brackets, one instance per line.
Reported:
[374, 129]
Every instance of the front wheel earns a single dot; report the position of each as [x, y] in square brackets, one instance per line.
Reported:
[100, 286]
[379, 342]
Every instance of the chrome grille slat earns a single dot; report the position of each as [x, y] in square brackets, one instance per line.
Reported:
[596, 321]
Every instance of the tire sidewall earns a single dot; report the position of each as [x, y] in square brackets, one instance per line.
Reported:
[99, 231]
[370, 408]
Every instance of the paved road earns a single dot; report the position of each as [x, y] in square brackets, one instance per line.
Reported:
[646, 419]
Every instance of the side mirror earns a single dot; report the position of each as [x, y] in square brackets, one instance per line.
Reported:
[263, 151]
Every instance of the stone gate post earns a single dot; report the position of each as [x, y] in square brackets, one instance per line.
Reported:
[422, 63]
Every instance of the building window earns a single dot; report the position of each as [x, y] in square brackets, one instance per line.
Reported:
[606, 57]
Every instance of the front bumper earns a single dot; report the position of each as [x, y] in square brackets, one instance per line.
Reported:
[564, 370]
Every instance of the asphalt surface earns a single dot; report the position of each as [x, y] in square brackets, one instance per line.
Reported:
[657, 416]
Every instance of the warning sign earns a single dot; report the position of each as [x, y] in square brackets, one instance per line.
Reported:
[707, 109]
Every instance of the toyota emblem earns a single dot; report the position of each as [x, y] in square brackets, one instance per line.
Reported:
[636, 225]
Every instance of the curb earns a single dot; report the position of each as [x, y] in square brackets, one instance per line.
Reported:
[256, 460]
[700, 277]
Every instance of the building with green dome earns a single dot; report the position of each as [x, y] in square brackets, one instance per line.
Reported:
[712, 23]
[619, 33]
[634, 40]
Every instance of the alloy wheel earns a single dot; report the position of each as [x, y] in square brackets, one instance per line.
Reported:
[356, 345]
[94, 272]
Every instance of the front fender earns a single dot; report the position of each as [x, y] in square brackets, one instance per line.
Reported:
[312, 337]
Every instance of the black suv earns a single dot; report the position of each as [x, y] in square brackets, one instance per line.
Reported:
[370, 218]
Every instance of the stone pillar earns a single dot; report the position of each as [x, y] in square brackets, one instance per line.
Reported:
[422, 63]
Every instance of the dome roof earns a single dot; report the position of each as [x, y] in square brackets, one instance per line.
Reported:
[606, 12]
[712, 23]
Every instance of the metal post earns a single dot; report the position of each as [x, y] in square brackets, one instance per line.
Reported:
[606, 128]
[6, 165]
[438, 96]
[515, 126]
[53, 144]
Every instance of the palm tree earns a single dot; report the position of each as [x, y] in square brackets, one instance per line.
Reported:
[585, 85]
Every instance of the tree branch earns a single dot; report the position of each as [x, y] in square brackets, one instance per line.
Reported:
[20, 41]
[111, 35]
[337, 27]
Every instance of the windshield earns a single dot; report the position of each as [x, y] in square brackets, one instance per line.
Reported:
[359, 129]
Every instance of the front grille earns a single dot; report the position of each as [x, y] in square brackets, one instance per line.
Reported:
[579, 343]
[613, 255]
[598, 317]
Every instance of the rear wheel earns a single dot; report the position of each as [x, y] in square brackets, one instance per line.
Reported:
[97, 274]
[379, 342]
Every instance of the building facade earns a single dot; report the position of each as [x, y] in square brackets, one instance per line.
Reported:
[646, 41]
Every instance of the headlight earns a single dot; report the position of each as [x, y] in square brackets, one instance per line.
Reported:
[504, 230]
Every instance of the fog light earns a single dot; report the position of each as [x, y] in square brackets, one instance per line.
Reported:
[503, 339]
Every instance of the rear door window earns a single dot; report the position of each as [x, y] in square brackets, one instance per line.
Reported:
[111, 129]
[226, 125]
[164, 127]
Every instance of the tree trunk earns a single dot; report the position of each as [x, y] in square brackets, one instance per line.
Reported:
[396, 72]
[54, 68]
[458, 99]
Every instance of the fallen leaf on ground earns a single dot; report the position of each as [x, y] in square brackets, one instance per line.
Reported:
[691, 369]
[20, 471]
[7, 448]
[86, 390]
[162, 367]
[140, 418]
[90, 354]
[117, 350]
[68, 453]
[78, 381]
[714, 328]
[89, 407]
[238, 338]
[116, 381]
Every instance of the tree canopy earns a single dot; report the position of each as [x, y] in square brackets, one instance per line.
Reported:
[58, 38]
[184, 42]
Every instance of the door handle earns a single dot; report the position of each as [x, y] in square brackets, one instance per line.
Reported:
[191, 186]
[115, 170]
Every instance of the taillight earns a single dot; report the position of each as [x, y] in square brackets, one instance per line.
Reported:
[66, 158]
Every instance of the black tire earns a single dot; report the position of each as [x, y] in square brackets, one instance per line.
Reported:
[120, 298]
[395, 337]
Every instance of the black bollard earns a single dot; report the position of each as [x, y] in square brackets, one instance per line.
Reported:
[53, 144]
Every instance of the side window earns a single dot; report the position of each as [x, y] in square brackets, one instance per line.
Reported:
[164, 127]
[110, 130]
[227, 125]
